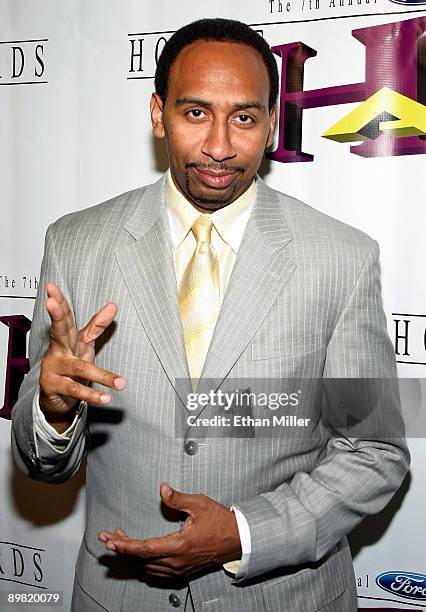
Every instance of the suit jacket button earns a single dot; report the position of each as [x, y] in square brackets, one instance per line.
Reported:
[174, 600]
[191, 447]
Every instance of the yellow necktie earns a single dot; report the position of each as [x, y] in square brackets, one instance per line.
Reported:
[199, 297]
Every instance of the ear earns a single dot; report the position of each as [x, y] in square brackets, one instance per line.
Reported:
[272, 120]
[156, 107]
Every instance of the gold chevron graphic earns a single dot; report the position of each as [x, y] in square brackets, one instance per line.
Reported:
[385, 111]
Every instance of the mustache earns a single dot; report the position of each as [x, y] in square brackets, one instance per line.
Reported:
[215, 167]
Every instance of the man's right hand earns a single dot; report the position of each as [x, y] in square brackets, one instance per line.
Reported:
[68, 365]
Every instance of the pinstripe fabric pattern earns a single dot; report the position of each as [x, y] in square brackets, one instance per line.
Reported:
[303, 300]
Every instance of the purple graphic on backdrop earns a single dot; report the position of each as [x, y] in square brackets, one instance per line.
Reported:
[17, 364]
[394, 57]
[409, 2]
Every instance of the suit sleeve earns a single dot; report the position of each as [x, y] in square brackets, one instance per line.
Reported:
[36, 456]
[303, 519]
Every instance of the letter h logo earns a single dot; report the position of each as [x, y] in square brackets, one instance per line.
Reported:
[392, 117]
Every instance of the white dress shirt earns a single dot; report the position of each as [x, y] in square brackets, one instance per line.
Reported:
[228, 228]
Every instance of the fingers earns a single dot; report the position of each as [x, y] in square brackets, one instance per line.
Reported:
[160, 570]
[98, 323]
[65, 376]
[62, 320]
[63, 324]
[151, 548]
[68, 364]
[76, 368]
[53, 291]
[160, 574]
[121, 533]
[162, 557]
[70, 388]
[104, 536]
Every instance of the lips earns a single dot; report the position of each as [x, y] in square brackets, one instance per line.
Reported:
[218, 180]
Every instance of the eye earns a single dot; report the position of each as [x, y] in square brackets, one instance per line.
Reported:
[245, 119]
[195, 113]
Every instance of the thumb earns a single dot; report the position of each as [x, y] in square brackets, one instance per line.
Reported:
[172, 498]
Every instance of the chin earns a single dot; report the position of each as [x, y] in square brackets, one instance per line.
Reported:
[210, 203]
[212, 199]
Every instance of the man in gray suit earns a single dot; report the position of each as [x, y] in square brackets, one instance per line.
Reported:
[203, 279]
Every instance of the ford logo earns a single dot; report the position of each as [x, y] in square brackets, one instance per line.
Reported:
[403, 584]
[410, 2]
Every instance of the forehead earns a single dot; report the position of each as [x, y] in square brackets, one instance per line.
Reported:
[220, 68]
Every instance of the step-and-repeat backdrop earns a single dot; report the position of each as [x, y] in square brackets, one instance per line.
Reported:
[75, 83]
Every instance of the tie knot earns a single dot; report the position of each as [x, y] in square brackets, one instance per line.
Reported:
[202, 228]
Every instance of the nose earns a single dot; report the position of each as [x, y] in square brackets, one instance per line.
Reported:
[217, 144]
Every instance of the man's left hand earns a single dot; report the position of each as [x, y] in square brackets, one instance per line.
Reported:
[208, 537]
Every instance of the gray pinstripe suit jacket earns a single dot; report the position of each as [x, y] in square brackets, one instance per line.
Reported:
[304, 301]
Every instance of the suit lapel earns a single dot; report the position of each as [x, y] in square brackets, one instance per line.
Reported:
[260, 272]
[148, 270]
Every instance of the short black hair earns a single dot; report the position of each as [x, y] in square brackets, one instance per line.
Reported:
[221, 30]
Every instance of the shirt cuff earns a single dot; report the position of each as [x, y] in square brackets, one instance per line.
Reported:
[239, 567]
[48, 433]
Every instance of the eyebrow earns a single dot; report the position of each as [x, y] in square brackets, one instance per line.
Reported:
[205, 104]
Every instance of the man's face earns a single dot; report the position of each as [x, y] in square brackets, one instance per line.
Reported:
[215, 120]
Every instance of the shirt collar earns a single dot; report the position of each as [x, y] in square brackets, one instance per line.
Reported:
[230, 221]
